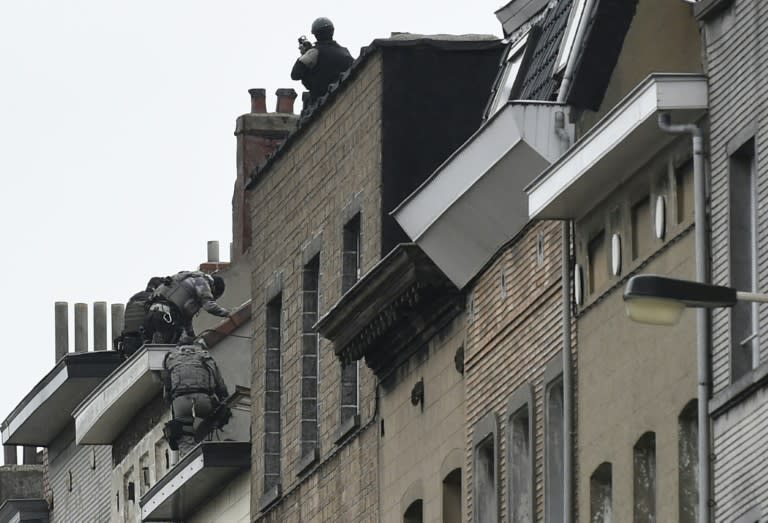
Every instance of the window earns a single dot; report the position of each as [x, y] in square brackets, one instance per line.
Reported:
[485, 452]
[601, 494]
[684, 191]
[351, 268]
[452, 497]
[310, 361]
[145, 480]
[520, 455]
[272, 393]
[688, 463]
[743, 258]
[414, 513]
[512, 64]
[598, 262]
[566, 46]
[554, 449]
[644, 454]
[641, 227]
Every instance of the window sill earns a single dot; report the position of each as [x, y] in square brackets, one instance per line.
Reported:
[307, 460]
[270, 497]
[346, 428]
[737, 392]
[705, 9]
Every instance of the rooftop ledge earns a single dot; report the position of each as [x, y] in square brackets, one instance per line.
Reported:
[625, 139]
[200, 475]
[475, 201]
[46, 410]
[105, 412]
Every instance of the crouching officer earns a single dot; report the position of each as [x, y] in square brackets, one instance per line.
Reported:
[134, 333]
[176, 302]
[322, 64]
[193, 385]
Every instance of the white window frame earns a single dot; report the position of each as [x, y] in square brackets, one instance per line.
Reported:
[511, 68]
[566, 46]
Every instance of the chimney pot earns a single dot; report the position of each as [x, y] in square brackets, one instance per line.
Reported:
[285, 99]
[258, 100]
[213, 251]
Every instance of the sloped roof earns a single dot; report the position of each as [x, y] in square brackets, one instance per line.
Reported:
[539, 82]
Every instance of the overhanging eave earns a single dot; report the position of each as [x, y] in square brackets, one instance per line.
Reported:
[103, 415]
[625, 139]
[47, 409]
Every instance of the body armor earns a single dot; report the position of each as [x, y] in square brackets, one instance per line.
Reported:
[135, 310]
[188, 371]
[180, 295]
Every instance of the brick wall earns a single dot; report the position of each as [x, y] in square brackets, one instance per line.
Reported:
[514, 330]
[300, 199]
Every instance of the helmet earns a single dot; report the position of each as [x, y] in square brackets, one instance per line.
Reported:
[218, 286]
[322, 28]
[186, 339]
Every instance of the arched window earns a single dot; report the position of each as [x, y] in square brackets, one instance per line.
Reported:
[688, 463]
[644, 453]
[601, 494]
[414, 513]
[452, 497]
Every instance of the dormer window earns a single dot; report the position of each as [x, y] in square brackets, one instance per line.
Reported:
[566, 46]
[506, 82]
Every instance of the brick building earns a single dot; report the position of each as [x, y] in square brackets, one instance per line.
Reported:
[319, 220]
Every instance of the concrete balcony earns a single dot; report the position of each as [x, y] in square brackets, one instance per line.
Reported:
[19, 510]
[47, 409]
[105, 412]
[199, 476]
[624, 140]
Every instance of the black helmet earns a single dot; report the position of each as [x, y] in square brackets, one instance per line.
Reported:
[322, 28]
[218, 286]
[154, 283]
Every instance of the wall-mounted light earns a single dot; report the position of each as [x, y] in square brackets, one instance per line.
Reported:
[578, 284]
[615, 254]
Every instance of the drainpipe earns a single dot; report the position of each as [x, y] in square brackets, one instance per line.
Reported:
[702, 332]
[566, 279]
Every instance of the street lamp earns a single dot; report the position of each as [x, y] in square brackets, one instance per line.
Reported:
[659, 300]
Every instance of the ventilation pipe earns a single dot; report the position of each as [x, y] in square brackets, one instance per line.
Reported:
[702, 314]
[100, 325]
[9, 455]
[61, 329]
[118, 316]
[213, 252]
[81, 327]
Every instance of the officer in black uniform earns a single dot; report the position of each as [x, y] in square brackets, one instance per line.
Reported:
[176, 302]
[320, 65]
[193, 385]
[134, 333]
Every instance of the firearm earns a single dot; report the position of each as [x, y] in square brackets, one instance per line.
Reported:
[215, 420]
[304, 44]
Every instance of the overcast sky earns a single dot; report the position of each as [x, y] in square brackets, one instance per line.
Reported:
[117, 153]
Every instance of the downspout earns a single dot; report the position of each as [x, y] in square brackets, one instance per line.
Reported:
[565, 279]
[702, 332]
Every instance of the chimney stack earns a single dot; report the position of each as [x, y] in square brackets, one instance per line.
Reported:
[118, 316]
[100, 325]
[9, 455]
[81, 327]
[29, 455]
[213, 251]
[258, 100]
[61, 329]
[285, 99]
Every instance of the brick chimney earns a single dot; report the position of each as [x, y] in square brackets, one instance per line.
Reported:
[258, 133]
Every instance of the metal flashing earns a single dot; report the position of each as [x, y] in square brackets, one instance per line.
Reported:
[46, 410]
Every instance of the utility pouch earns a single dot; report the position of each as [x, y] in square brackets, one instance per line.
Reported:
[172, 431]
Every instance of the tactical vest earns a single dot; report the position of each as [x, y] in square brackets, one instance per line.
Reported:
[182, 296]
[188, 371]
[332, 60]
[135, 310]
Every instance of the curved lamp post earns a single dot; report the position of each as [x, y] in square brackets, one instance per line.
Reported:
[659, 300]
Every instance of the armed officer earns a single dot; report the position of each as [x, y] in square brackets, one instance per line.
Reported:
[176, 302]
[193, 385]
[320, 65]
[134, 333]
